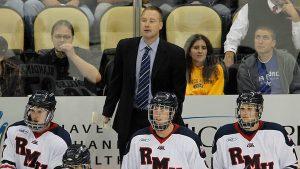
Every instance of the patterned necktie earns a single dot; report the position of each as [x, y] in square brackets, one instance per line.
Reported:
[142, 96]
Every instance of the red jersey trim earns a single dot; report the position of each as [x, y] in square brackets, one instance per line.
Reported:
[246, 136]
[7, 166]
[160, 139]
[51, 127]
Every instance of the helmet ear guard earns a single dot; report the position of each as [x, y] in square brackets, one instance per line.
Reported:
[159, 104]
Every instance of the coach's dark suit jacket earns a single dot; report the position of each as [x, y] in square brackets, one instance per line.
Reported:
[168, 74]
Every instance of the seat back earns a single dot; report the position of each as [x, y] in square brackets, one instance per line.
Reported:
[12, 28]
[48, 17]
[116, 24]
[185, 21]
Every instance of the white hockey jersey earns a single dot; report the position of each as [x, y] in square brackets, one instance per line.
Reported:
[182, 149]
[267, 148]
[24, 149]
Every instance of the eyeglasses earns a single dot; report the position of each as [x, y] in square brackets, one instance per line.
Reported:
[65, 37]
[264, 37]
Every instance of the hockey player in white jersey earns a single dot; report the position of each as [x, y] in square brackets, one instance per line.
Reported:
[36, 142]
[251, 143]
[164, 145]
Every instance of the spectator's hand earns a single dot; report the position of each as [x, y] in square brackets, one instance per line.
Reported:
[290, 10]
[229, 58]
[68, 49]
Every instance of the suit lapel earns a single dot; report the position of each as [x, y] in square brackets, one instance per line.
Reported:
[159, 58]
[133, 52]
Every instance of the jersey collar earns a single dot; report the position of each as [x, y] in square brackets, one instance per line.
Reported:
[160, 139]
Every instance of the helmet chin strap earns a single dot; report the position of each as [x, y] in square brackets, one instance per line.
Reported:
[250, 124]
[160, 127]
[247, 125]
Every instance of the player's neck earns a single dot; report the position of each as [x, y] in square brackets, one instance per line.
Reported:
[43, 130]
[165, 133]
[251, 130]
[255, 127]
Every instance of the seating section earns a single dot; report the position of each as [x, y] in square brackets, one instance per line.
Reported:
[12, 28]
[116, 24]
[47, 18]
[188, 20]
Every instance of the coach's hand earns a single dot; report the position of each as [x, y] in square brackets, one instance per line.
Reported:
[105, 119]
[105, 122]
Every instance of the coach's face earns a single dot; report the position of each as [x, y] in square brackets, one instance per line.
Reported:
[151, 24]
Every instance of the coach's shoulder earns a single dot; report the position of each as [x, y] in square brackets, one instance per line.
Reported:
[129, 40]
[175, 47]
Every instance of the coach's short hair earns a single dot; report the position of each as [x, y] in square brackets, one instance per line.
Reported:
[154, 8]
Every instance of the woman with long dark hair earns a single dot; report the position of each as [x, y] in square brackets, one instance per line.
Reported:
[205, 75]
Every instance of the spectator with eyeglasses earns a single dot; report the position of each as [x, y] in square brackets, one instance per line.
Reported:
[75, 69]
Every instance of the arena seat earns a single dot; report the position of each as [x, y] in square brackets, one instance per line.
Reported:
[116, 24]
[46, 19]
[12, 28]
[185, 21]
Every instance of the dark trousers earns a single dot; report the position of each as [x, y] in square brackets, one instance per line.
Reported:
[138, 121]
